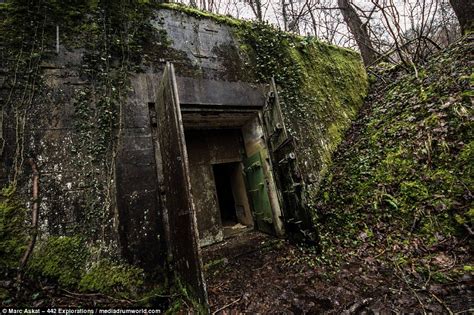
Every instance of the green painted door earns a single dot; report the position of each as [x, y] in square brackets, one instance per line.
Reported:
[258, 193]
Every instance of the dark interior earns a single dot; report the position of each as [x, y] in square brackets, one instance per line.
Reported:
[222, 176]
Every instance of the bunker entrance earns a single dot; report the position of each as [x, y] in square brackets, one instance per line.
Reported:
[231, 191]
[225, 196]
[232, 198]
[213, 142]
[230, 168]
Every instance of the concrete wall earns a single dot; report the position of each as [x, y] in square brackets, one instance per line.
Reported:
[200, 47]
[138, 197]
[239, 190]
[205, 148]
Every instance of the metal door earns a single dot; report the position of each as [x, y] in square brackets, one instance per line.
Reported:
[258, 193]
[273, 119]
[179, 211]
[297, 217]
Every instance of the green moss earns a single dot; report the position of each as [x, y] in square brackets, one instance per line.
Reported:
[466, 156]
[201, 14]
[60, 258]
[65, 260]
[13, 235]
[111, 278]
[406, 166]
[412, 193]
[186, 294]
[396, 165]
[322, 87]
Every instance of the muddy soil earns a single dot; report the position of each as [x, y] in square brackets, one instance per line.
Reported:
[255, 273]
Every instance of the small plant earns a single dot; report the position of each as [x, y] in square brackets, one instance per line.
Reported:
[111, 278]
[60, 258]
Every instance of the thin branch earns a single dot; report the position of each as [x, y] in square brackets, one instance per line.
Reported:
[226, 306]
[34, 221]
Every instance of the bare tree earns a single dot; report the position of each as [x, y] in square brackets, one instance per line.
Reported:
[398, 31]
[359, 30]
[256, 6]
[464, 10]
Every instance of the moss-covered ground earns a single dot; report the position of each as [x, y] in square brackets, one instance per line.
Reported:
[400, 191]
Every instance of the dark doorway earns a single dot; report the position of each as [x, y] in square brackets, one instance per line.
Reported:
[223, 178]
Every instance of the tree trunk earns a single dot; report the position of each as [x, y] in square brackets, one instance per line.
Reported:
[256, 6]
[359, 30]
[464, 10]
[285, 15]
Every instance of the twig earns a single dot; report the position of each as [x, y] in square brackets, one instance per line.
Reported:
[34, 221]
[380, 254]
[465, 311]
[411, 289]
[442, 303]
[97, 295]
[226, 306]
[357, 306]
[468, 229]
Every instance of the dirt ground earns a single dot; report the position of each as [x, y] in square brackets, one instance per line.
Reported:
[255, 273]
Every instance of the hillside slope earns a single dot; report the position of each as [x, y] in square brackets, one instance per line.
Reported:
[400, 191]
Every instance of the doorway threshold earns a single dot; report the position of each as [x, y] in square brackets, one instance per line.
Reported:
[232, 230]
[236, 245]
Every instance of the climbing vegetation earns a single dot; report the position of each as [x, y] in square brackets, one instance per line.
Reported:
[110, 36]
[322, 88]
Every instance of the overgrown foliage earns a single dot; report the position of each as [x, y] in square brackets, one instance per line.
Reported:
[322, 88]
[401, 186]
[113, 34]
[62, 259]
[66, 261]
[319, 83]
[13, 235]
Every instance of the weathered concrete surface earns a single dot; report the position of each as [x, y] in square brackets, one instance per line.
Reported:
[73, 189]
[193, 91]
[206, 148]
[177, 205]
[141, 231]
[203, 48]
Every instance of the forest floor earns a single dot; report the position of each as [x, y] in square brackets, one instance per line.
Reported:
[255, 273]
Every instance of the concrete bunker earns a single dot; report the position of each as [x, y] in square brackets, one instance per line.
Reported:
[228, 196]
[230, 173]
[131, 182]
